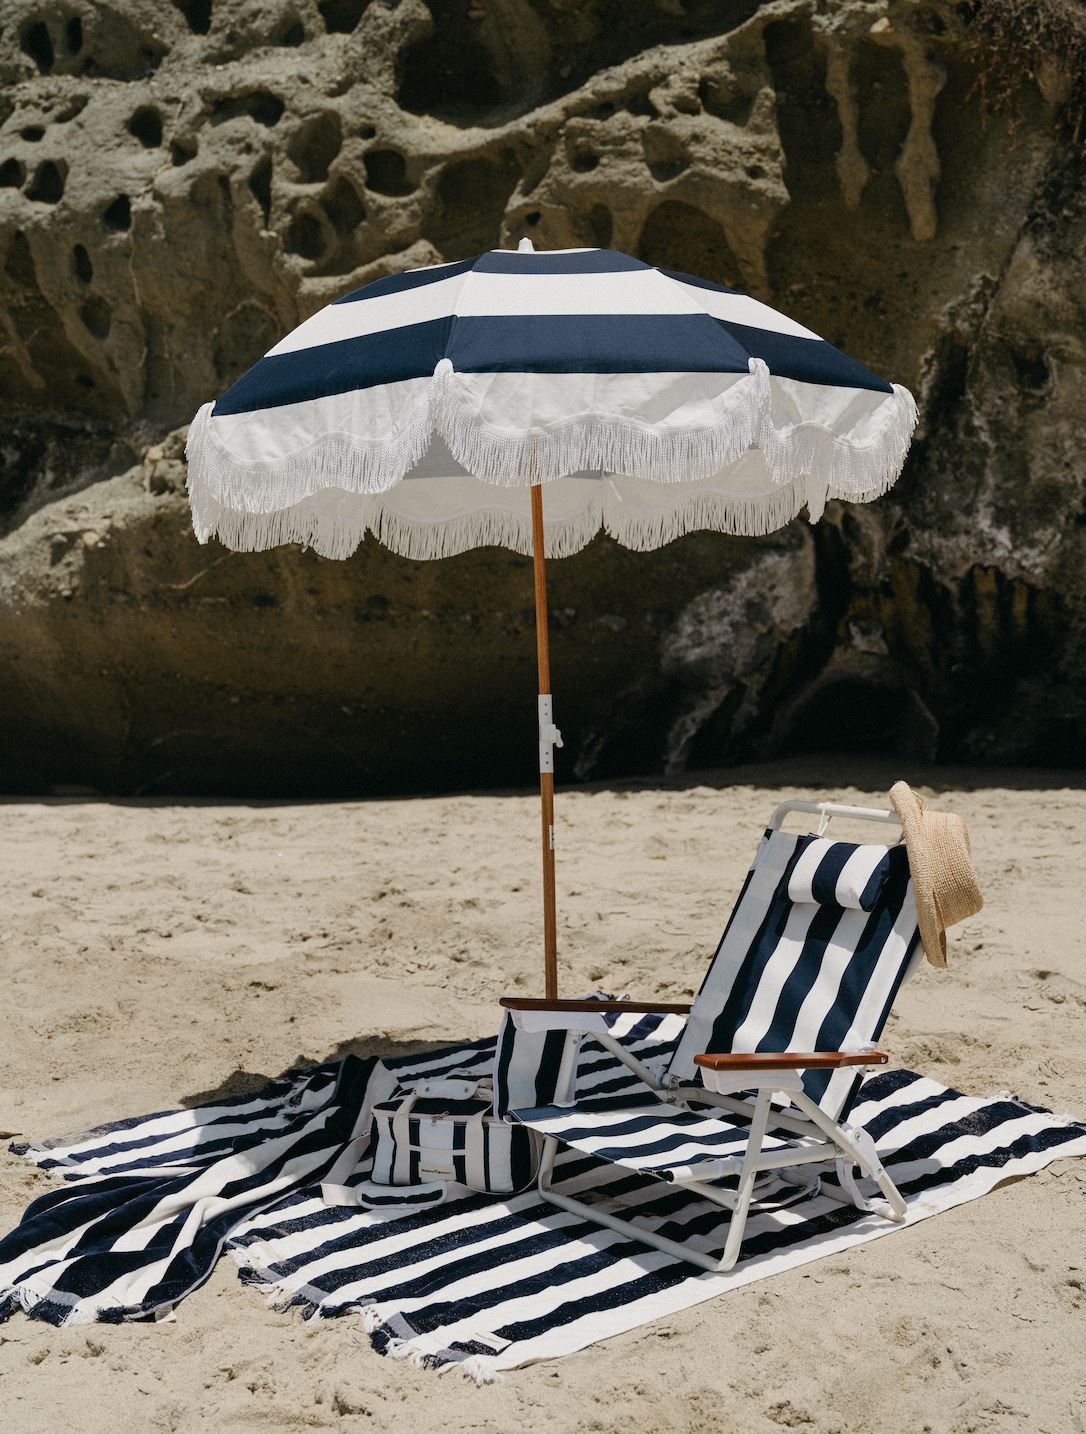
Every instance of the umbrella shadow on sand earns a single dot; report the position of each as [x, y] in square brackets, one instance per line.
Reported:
[242, 1082]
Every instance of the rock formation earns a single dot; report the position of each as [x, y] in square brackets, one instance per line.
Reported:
[182, 182]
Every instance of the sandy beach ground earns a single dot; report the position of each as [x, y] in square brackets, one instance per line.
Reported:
[151, 954]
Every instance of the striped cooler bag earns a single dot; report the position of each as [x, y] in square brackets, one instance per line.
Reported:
[446, 1130]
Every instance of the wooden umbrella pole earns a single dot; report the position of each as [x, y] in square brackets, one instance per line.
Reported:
[549, 738]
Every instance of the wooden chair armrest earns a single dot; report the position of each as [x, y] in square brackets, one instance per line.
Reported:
[791, 1060]
[640, 1008]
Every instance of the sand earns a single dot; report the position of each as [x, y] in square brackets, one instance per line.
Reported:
[153, 953]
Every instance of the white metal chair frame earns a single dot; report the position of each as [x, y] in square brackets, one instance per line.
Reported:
[815, 1138]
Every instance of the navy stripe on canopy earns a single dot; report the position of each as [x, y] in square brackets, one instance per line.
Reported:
[399, 283]
[808, 360]
[698, 283]
[528, 343]
[389, 356]
[586, 261]
[594, 343]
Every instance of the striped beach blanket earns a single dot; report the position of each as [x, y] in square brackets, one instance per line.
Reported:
[478, 1283]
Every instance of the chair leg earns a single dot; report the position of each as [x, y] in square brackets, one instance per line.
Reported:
[866, 1156]
[739, 1203]
[629, 1228]
[747, 1176]
[858, 1149]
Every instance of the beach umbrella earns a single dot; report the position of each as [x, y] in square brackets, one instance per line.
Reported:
[433, 409]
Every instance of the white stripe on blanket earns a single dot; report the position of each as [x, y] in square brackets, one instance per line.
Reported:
[479, 1283]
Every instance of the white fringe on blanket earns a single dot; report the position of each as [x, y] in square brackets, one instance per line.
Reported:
[478, 1284]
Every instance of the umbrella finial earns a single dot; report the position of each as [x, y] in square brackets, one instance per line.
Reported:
[525, 247]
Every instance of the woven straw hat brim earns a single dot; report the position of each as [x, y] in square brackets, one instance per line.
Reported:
[940, 862]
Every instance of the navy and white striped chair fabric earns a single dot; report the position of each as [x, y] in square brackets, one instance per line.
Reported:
[821, 938]
[820, 941]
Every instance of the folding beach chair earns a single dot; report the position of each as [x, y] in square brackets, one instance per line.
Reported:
[778, 1039]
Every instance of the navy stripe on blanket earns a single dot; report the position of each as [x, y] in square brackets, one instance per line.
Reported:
[465, 1277]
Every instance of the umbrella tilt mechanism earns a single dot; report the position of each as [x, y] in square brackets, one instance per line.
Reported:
[549, 735]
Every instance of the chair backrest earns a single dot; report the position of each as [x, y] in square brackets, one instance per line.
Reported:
[821, 938]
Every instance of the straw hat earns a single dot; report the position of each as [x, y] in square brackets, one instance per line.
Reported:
[941, 866]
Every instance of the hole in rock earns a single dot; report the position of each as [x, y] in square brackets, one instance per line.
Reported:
[1030, 368]
[678, 236]
[807, 118]
[583, 160]
[621, 30]
[73, 35]
[290, 34]
[146, 126]
[260, 105]
[929, 21]
[36, 43]
[882, 99]
[181, 151]
[344, 208]
[19, 262]
[600, 226]
[97, 317]
[533, 218]
[82, 267]
[366, 131]
[472, 196]
[341, 16]
[305, 237]
[665, 156]
[314, 145]
[12, 174]
[197, 14]
[719, 99]
[32, 133]
[386, 172]
[640, 104]
[75, 106]
[240, 338]
[48, 183]
[118, 215]
[260, 187]
[450, 73]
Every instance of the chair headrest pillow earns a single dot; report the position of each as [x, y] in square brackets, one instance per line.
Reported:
[839, 873]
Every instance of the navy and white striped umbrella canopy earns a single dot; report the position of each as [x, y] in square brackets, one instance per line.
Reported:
[650, 403]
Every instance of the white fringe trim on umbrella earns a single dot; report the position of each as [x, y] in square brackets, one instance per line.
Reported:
[421, 541]
[850, 468]
[251, 506]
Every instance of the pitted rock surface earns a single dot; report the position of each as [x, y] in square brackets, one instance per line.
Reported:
[182, 182]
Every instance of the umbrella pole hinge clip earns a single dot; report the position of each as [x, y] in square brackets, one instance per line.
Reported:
[549, 735]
